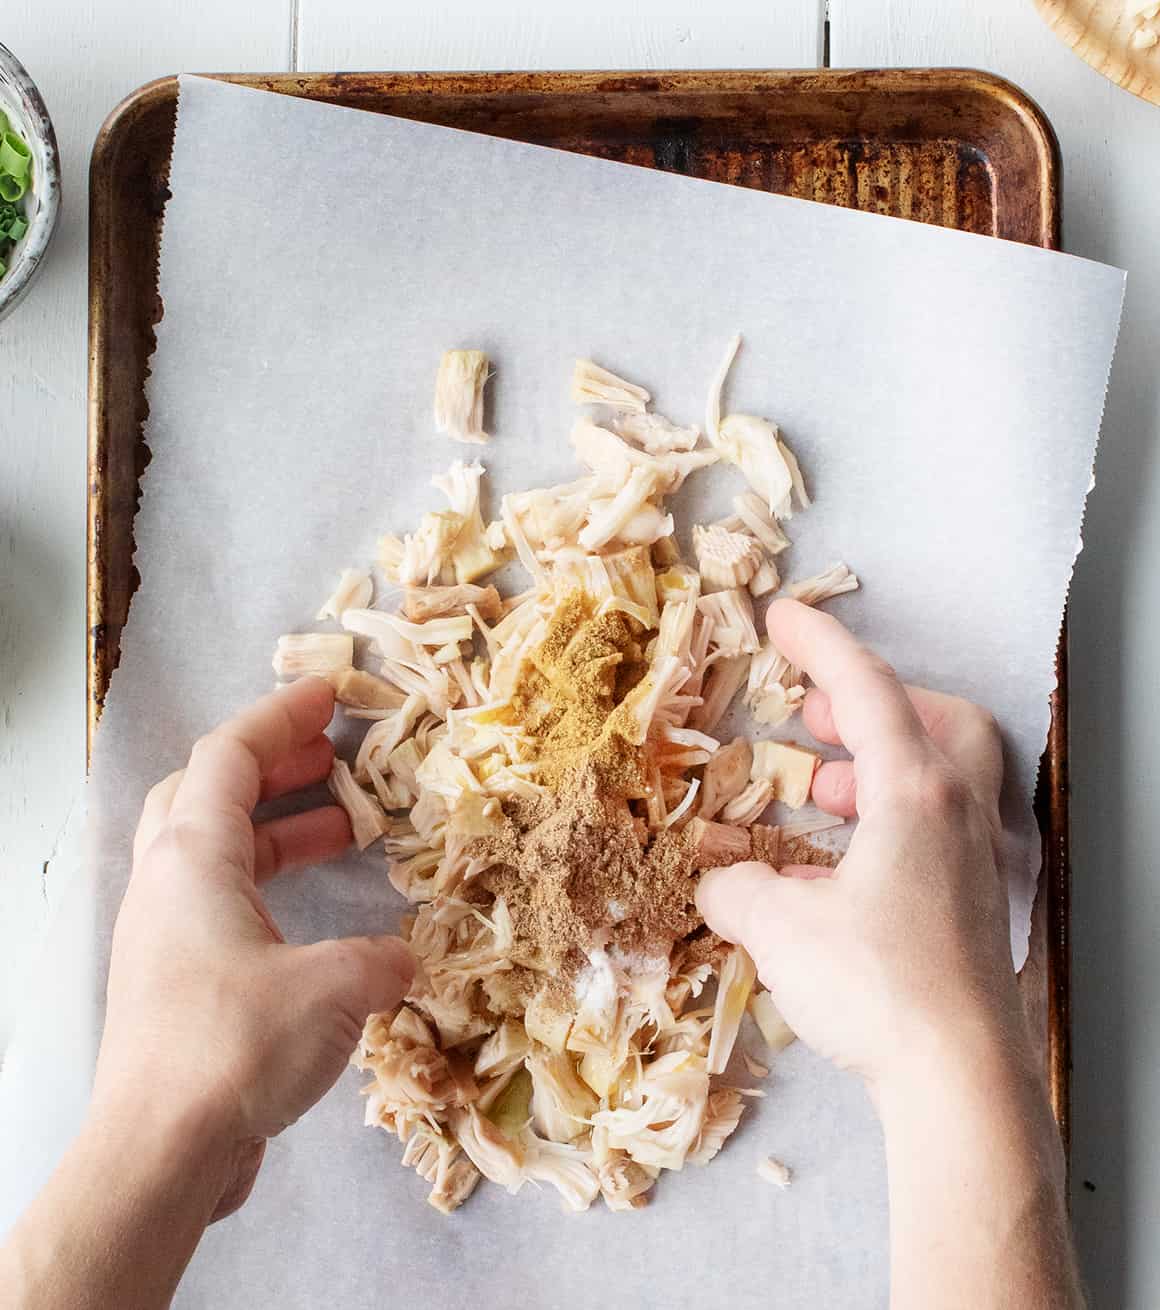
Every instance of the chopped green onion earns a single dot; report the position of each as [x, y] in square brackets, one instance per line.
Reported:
[15, 156]
[15, 177]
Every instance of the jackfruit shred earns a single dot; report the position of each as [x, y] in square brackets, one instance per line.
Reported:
[459, 395]
[485, 1071]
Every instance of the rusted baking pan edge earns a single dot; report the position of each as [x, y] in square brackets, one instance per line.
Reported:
[955, 147]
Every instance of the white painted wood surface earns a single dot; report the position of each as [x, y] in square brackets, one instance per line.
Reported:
[469, 35]
[1110, 143]
[86, 57]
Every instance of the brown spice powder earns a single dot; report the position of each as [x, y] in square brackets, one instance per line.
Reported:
[765, 844]
[567, 691]
[577, 867]
[575, 875]
[800, 850]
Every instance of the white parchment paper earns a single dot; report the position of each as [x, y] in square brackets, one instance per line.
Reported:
[943, 393]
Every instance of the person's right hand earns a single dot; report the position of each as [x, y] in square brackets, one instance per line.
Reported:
[907, 943]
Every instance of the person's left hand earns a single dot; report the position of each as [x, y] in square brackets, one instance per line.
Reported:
[210, 1012]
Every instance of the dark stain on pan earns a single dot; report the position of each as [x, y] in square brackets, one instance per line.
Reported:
[675, 144]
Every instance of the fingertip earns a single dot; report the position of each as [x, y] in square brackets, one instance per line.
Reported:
[402, 958]
[309, 764]
[818, 716]
[317, 683]
[707, 890]
[781, 612]
[363, 975]
[868, 703]
[310, 837]
[318, 688]
[394, 973]
[324, 759]
[802, 632]
[311, 706]
[724, 896]
[835, 789]
[311, 701]
[338, 824]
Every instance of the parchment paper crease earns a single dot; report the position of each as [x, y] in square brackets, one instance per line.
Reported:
[943, 393]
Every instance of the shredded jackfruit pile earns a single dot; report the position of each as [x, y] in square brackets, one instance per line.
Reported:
[599, 1096]
[1144, 19]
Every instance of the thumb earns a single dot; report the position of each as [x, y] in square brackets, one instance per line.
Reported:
[751, 905]
[366, 974]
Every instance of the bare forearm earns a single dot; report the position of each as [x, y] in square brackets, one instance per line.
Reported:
[120, 1218]
[977, 1210]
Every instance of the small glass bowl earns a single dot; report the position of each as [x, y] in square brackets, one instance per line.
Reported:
[21, 103]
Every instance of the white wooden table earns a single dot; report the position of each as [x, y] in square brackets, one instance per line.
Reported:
[86, 57]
